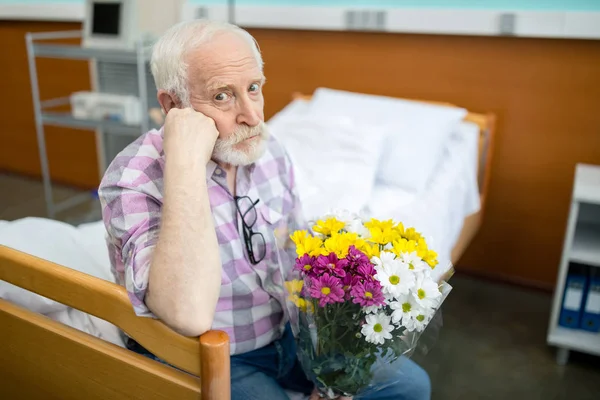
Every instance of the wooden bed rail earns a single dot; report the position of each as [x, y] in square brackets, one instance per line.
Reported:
[109, 302]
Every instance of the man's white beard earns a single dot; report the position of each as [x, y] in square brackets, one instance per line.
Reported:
[225, 152]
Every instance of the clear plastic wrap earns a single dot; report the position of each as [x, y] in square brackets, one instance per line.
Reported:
[360, 300]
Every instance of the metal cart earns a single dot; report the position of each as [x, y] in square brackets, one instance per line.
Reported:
[111, 71]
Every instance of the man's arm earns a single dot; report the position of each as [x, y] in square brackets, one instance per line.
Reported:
[185, 271]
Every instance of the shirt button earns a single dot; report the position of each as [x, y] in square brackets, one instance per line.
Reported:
[218, 171]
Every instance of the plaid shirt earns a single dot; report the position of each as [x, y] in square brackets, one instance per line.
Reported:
[251, 303]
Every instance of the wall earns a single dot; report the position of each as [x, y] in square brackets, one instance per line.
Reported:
[71, 153]
[585, 5]
[526, 18]
[546, 94]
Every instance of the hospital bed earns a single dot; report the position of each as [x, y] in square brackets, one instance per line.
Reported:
[61, 314]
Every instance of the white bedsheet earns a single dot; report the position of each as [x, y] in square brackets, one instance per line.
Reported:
[450, 197]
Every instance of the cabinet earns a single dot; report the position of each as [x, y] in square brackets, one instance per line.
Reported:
[581, 252]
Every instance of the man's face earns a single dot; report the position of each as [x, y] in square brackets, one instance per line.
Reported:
[225, 84]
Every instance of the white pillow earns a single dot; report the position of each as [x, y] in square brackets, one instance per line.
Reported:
[292, 109]
[335, 162]
[51, 240]
[416, 132]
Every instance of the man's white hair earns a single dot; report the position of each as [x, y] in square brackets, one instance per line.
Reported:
[168, 64]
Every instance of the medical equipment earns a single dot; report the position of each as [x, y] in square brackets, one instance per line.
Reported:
[119, 24]
[106, 106]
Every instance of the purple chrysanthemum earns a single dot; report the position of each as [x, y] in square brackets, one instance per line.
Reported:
[305, 264]
[366, 271]
[348, 283]
[331, 264]
[367, 294]
[356, 256]
[328, 289]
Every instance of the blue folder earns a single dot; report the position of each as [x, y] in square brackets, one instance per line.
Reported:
[590, 318]
[573, 297]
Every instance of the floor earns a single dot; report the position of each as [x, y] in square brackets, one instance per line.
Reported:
[492, 344]
[24, 197]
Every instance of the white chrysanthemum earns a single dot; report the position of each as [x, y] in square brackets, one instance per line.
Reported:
[342, 215]
[395, 278]
[418, 320]
[426, 291]
[371, 309]
[356, 226]
[377, 328]
[415, 263]
[404, 309]
[385, 258]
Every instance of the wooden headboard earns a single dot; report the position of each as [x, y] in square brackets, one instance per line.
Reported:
[486, 123]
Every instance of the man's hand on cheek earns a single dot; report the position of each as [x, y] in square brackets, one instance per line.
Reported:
[190, 136]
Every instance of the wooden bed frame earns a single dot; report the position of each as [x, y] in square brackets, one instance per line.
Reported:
[44, 359]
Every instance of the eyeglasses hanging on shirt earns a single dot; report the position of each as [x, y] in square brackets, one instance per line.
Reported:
[255, 241]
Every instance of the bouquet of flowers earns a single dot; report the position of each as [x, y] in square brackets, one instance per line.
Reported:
[360, 295]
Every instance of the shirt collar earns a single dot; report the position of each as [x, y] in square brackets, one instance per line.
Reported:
[212, 169]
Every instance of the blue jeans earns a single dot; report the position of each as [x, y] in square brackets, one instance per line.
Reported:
[267, 372]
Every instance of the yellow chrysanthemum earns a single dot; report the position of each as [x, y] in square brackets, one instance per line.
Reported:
[371, 250]
[298, 301]
[313, 246]
[360, 244]
[298, 237]
[411, 234]
[340, 243]
[430, 258]
[383, 237]
[382, 232]
[404, 246]
[399, 228]
[383, 225]
[294, 286]
[329, 227]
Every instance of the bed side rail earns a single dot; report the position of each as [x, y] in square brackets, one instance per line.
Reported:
[109, 302]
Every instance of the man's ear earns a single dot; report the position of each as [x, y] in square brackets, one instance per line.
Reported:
[167, 100]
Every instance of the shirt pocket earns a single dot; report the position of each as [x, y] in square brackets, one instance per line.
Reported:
[275, 224]
[281, 249]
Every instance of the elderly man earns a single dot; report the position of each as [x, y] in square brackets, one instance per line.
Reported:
[192, 209]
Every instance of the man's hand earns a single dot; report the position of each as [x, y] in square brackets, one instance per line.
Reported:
[315, 396]
[190, 136]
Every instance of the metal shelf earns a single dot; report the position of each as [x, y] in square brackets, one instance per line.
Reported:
[67, 120]
[113, 63]
[142, 51]
[74, 52]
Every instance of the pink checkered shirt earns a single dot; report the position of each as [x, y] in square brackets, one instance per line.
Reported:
[251, 303]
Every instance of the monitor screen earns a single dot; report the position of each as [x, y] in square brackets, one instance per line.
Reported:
[106, 18]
